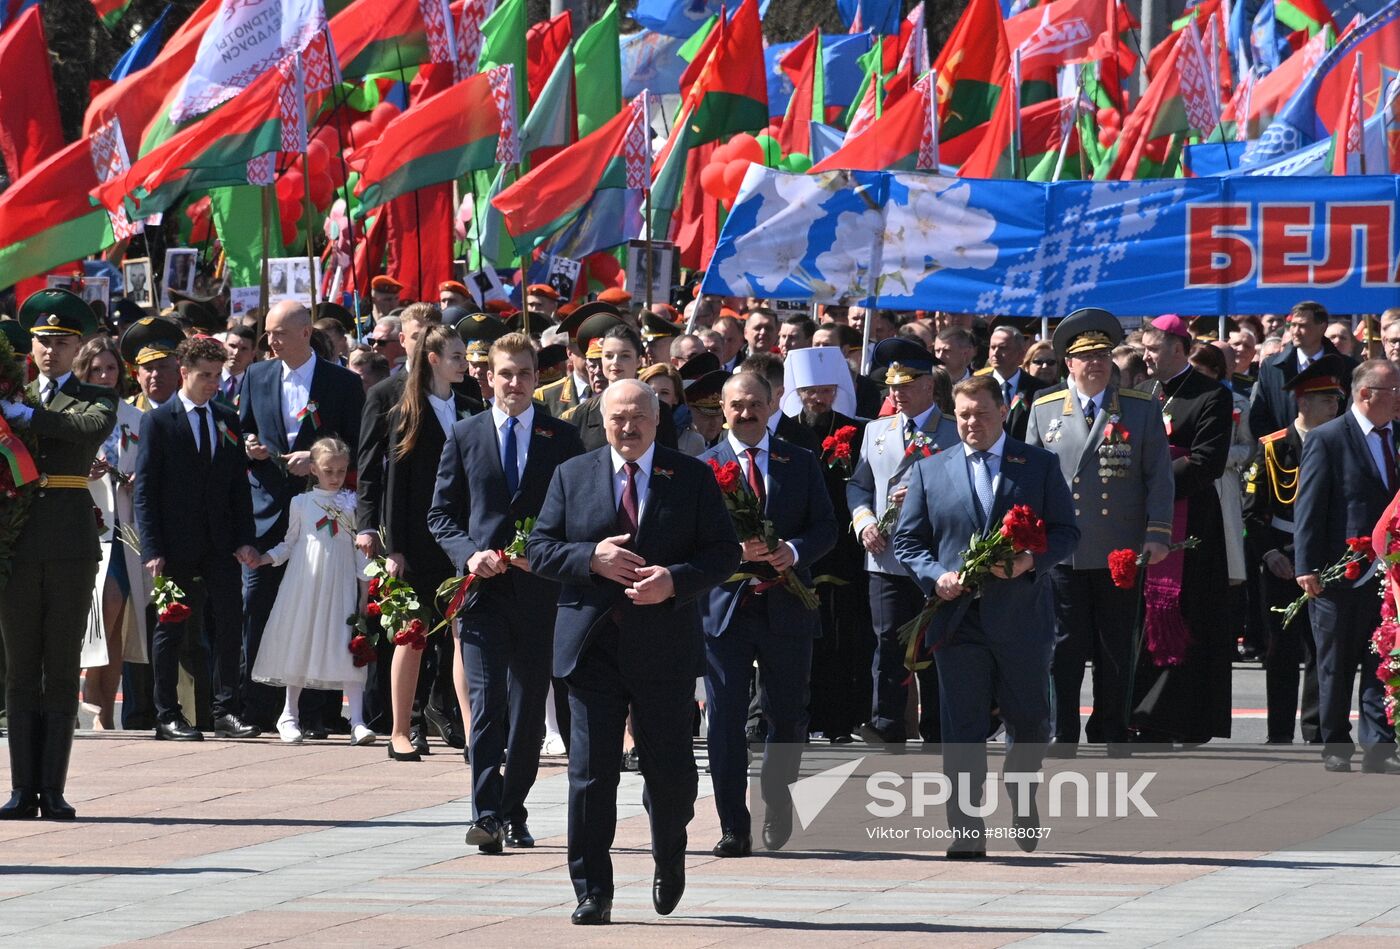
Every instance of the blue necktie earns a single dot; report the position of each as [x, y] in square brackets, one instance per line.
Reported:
[512, 462]
[982, 482]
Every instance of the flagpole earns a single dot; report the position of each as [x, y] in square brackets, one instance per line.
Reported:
[646, 235]
[267, 192]
[310, 229]
[338, 102]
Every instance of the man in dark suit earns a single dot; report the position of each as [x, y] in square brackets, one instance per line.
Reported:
[637, 534]
[995, 642]
[195, 516]
[780, 425]
[1347, 477]
[1271, 407]
[286, 403]
[1005, 353]
[494, 472]
[761, 619]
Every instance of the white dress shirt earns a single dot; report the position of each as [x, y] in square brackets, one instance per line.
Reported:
[1013, 382]
[296, 393]
[19, 412]
[524, 427]
[445, 410]
[1373, 444]
[642, 478]
[193, 417]
[919, 422]
[993, 463]
[1304, 360]
[741, 451]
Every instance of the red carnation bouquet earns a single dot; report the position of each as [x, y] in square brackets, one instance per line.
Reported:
[1385, 641]
[168, 598]
[1124, 564]
[750, 523]
[1020, 531]
[1349, 569]
[838, 450]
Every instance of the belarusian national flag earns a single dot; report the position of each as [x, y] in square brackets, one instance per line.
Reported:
[803, 65]
[464, 128]
[110, 11]
[1347, 140]
[46, 217]
[890, 143]
[552, 196]
[729, 92]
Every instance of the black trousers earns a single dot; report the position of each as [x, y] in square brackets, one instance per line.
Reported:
[841, 658]
[895, 601]
[43, 618]
[600, 697]
[1095, 622]
[1286, 649]
[507, 651]
[1342, 622]
[215, 582]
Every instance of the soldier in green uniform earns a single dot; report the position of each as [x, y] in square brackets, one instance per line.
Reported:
[42, 619]
[1271, 489]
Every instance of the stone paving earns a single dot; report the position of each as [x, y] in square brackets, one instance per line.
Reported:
[230, 844]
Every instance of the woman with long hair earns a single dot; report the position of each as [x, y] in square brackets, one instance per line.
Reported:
[418, 427]
[122, 589]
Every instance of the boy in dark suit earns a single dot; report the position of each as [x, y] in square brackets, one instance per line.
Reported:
[194, 512]
[636, 533]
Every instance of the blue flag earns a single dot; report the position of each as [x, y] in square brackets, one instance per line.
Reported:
[682, 17]
[144, 51]
[649, 61]
[880, 16]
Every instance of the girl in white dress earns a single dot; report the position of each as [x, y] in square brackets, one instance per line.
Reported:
[306, 644]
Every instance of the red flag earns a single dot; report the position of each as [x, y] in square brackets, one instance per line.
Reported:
[970, 68]
[544, 44]
[29, 127]
[800, 63]
[1348, 139]
[419, 232]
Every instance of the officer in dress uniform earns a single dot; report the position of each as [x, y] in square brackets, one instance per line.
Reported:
[1268, 509]
[889, 450]
[1113, 453]
[54, 559]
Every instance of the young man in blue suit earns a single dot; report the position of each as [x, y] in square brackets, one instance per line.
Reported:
[286, 403]
[994, 641]
[495, 469]
[637, 534]
[1347, 477]
[761, 619]
[195, 517]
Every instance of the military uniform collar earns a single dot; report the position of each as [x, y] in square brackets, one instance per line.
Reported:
[41, 381]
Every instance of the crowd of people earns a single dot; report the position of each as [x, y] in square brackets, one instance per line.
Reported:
[259, 481]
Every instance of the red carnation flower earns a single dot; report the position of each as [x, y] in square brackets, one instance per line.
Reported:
[1024, 529]
[1123, 567]
[174, 613]
[842, 452]
[829, 442]
[846, 432]
[1353, 571]
[363, 651]
[372, 611]
[1361, 545]
[374, 586]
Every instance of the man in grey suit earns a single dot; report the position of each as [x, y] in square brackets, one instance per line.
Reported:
[1112, 448]
[888, 452]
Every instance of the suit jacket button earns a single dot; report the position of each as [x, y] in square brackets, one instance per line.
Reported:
[1076, 479]
[1076, 512]
[1076, 495]
[1105, 495]
[1105, 512]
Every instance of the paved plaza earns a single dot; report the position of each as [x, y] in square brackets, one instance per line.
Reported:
[255, 843]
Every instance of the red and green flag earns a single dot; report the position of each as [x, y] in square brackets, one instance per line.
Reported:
[803, 65]
[970, 68]
[729, 91]
[889, 143]
[30, 130]
[110, 11]
[468, 127]
[47, 218]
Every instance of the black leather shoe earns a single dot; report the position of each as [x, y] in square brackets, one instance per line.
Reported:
[1063, 750]
[52, 806]
[442, 723]
[777, 828]
[231, 726]
[403, 755]
[419, 736]
[1336, 763]
[667, 886]
[518, 835]
[733, 845]
[1028, 827]
[486, 835]
[873, 736]
[592, 911]
[631, 761]
[1387, 765]
[23, 804]
[315, 733]
[178, 730]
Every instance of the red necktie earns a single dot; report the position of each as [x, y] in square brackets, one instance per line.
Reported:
[756, 478]
[627, 510]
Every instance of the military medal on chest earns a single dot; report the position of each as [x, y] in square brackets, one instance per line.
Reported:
[1115, 453]
[1052, 432]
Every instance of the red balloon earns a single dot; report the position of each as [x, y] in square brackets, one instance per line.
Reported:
[289, 231]
[1156, 150]
[383, 114]
[1109, 117]
[322, 191]
[362, 133]
[1107, 136]
[289, 188]
[712, 180]
[734, 176]
[318, 157]
[723, 154]
[745, 146]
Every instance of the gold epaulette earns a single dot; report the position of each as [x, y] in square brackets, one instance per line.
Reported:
[1134, 394]
[1055, 396]
[984, 371]
[1274, 436]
